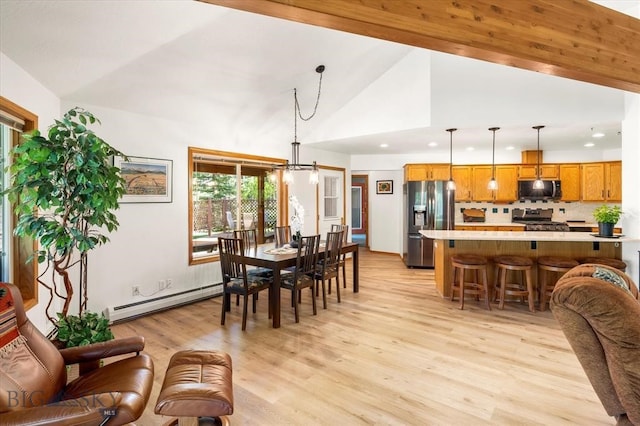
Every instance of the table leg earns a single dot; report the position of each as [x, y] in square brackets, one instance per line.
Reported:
[356, 271]
[275, 298]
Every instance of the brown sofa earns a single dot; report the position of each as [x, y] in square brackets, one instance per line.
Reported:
[33, 376]
[599, 312]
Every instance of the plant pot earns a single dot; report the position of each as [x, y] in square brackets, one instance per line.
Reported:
[605, 229]
[293, 243]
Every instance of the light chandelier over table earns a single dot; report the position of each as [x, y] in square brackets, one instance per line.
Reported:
[294, 165]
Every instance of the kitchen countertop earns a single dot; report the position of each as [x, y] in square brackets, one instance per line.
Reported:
[489, 224]
[520, 236]
[571, 224]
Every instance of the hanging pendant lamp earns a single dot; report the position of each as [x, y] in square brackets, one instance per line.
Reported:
[493, 183]
[451, 185]
[294, 165]
[538, 184]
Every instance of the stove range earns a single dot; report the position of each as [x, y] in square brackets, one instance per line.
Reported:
[547, 226]
[538, 220]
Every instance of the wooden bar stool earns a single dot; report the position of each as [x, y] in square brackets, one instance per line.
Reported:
[609, 261]
[551, 264]
[523, 288]
[469, 262]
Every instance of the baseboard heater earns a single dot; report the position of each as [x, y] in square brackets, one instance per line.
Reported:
[130, 311]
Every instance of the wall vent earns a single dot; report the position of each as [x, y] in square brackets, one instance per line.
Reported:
[145, 307]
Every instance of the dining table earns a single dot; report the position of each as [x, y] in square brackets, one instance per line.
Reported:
[278, 258]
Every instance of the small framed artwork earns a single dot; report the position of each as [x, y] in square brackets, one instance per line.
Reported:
[384, 187]
[148, 180]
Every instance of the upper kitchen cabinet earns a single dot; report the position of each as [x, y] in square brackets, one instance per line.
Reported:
[507, 177]
[462, 178]
[530, 171]
[602, 181]
[570, 178]
[418, 172]
[613, 181]
[480, 177]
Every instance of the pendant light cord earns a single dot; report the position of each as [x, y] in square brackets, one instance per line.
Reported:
[296, 107]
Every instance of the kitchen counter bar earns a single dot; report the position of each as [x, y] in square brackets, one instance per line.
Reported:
[519, 236]
[532, 244]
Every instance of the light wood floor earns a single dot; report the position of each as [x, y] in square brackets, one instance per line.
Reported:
[393, 354]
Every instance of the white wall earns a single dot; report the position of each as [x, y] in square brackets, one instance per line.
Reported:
[630, 178]
[385, 212]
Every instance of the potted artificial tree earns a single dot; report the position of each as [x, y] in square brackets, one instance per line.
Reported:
[607, 216]
[65, 189]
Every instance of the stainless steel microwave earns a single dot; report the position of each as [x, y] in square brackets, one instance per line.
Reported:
[551, 190]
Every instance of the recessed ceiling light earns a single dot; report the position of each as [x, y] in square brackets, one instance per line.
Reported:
[470, 148]
[597, 135]
[589, 144]
[384, 145]
[433, 144]
[510, 148]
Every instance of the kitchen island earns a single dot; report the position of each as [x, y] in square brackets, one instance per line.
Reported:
[519, 243]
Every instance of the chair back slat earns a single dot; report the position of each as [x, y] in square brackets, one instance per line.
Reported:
[231, 252]
[282, 235]
[307, 259]
[248, 236]
[333, 248]
[343, 228]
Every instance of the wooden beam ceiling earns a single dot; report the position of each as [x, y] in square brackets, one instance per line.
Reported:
[575, 39]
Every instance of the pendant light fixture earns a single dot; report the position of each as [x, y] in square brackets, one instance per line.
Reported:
[493, 183]
[294, 165]
[538, 184]
[451, 185]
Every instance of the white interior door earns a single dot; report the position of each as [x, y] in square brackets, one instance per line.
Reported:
[331, 200]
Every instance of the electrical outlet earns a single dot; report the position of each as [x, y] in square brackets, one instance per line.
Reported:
[135, 290]
[169, 282]
[162, 284]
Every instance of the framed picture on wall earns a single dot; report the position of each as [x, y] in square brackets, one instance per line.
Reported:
[148, 180]
[384, 187]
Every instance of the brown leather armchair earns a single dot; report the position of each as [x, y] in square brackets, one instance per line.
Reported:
[33, 376]
[597, 307]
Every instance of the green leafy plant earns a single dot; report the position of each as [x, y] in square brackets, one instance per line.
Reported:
[607, 214]
[65, 188]
[84, 329]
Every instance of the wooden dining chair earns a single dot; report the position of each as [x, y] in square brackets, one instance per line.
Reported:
[303, 276]
[248, 236]
[282, 235]
[250, 239]
[328, 266]
[343, 257]
[236, 280]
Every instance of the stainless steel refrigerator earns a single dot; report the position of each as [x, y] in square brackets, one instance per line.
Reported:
[427, 205]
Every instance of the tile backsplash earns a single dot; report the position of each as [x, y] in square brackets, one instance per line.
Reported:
[501, 213]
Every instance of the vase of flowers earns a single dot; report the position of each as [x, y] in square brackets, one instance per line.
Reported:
[297, 220]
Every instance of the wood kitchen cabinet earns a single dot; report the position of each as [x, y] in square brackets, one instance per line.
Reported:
[602, 181]
[418, 172]
[547, 171]
[462, 178]
[507, 177]
[593, 182]
[480, 177]
[613, 181]
[570, 178]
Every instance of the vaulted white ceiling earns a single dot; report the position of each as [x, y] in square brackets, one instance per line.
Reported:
[210, 66]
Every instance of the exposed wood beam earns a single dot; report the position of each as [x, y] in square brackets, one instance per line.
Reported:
[575, 39]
